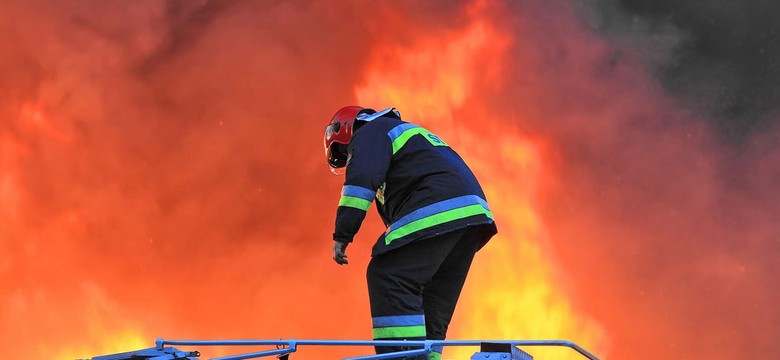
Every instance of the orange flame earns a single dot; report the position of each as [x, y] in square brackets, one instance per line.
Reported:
[161, 175]
[514, 290]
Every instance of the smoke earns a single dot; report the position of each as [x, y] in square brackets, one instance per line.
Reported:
[161, 172]
[665, 200]
[717, 58]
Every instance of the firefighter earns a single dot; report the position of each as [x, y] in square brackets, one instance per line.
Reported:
[434, 209]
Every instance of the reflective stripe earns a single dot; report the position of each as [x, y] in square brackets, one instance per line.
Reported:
[356, 197]
[368, 117]
[358, 192]
[398, 320]
[354, 202]
[400, 134]
[438, 207]
[399, 332]
[437, 213]
[398, 326]
[395, 132]
[437, 219]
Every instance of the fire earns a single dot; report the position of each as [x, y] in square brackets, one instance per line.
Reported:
[161, 174]
[432, 82]
[514, 290]
[9, 196]
[110, 341]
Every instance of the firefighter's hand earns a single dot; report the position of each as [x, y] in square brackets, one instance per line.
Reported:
[339, 252]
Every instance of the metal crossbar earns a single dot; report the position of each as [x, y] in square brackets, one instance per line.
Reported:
[289, 346]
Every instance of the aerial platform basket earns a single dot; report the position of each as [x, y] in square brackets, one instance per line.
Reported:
[489, 349]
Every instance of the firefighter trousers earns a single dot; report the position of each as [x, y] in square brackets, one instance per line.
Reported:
[413, 290]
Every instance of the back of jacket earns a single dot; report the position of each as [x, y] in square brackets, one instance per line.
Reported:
[422, 187]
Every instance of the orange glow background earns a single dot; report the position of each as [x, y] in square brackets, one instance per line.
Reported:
[162, 176]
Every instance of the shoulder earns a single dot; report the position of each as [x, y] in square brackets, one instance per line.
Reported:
[378, 127]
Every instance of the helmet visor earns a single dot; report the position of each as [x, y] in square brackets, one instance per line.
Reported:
[337, 157]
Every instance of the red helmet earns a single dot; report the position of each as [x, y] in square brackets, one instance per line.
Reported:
[338, 134]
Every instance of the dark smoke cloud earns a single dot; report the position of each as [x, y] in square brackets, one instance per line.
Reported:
[187, 21]
[665, 228]
[718, 58]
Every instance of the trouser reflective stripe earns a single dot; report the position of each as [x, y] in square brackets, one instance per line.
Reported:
[399, 326]
[399, 332]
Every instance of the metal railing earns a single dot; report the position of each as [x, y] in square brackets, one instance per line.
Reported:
[286, 347]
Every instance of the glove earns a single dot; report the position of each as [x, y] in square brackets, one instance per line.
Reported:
[339, 252]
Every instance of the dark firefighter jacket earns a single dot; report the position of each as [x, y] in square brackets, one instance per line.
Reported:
[422, 187]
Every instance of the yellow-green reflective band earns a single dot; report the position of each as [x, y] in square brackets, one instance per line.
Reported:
[399, 332]
[355, 202]
[434, 356]
[437, 219]
[401, 140]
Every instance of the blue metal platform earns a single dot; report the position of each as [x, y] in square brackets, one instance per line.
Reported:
[489, 349]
